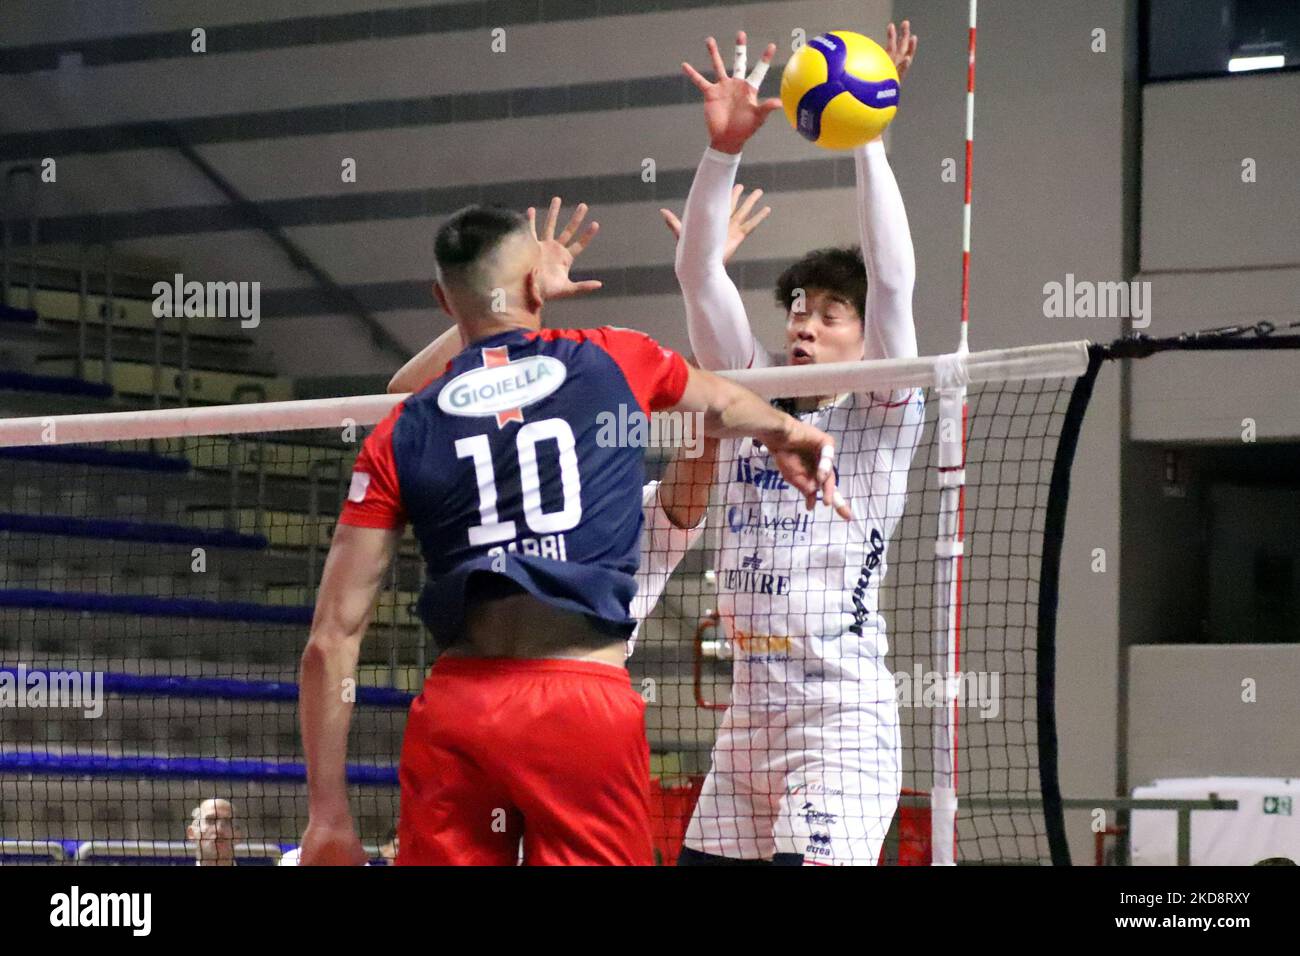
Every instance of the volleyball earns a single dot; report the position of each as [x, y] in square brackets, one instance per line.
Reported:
[840, 90]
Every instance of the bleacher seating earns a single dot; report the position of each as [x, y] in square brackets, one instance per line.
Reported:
[97, 546]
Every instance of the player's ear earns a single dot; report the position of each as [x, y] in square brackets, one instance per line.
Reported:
[532, 292]
[440, 294]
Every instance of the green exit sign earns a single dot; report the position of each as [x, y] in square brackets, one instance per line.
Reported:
[1280, 806]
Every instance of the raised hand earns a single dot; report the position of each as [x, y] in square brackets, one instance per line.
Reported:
[740, 225]
[558, 252]
[901, 47]
[732, 110]
[806, 459]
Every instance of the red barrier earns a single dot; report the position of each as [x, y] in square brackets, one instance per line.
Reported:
[670, 811]
[913, 835]
[671, 806]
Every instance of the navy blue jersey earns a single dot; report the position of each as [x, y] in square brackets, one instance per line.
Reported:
[503, 465]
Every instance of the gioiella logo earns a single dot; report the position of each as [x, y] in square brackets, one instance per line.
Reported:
[502, 387]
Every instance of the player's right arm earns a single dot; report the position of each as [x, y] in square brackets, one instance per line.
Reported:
[361, 551]
[802, 453]
[354, 572]
[715, 315]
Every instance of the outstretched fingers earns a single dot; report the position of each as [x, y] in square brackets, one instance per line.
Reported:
[736, 192]
[748, 204]
[826, 479]
[584, 240]
[719, 68]
[901, 46]
[700, 82]
[674, 224]
[760, 69]
[571, 227]
[552, 216]
[747, 226]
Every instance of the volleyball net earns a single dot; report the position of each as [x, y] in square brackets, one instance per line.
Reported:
[158, 572]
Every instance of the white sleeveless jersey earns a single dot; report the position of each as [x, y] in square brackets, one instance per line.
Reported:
[799, 590]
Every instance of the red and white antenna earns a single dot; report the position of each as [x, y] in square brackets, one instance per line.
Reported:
[949, 546]
[970, 149]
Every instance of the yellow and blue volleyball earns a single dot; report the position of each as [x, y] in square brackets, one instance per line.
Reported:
[840, 90]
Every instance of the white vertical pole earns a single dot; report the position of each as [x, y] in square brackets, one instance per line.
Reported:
[949, 543]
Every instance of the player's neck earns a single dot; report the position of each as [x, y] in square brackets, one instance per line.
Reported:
[474, 328]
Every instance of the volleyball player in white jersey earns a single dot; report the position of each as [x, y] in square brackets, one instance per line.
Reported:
[807, 765]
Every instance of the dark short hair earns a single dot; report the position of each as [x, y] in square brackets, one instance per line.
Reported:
[837, 270]
[471, 233]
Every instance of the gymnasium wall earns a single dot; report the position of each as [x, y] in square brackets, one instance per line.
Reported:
[1198, 721]
[577, 103]
[1220, 246]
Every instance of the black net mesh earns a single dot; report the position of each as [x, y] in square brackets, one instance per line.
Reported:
[166, 587]
[160, 592]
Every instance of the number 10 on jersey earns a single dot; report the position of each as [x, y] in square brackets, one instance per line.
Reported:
[491, 529]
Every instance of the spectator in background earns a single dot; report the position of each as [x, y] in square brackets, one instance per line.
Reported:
[388, 850]
[213, 832]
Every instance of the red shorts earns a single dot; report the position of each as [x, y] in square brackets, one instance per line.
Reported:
[552, 752]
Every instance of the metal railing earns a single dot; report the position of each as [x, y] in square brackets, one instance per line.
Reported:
[99, 263]
[94, 851]
[33, 233]
[38, 850]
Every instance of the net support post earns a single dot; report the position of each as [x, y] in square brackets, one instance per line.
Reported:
[952, 376]
[943, 835]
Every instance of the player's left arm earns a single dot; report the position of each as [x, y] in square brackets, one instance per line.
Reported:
[354, 572]
[663, 545]
[683, 492]
[886, 237]
[428, 363]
